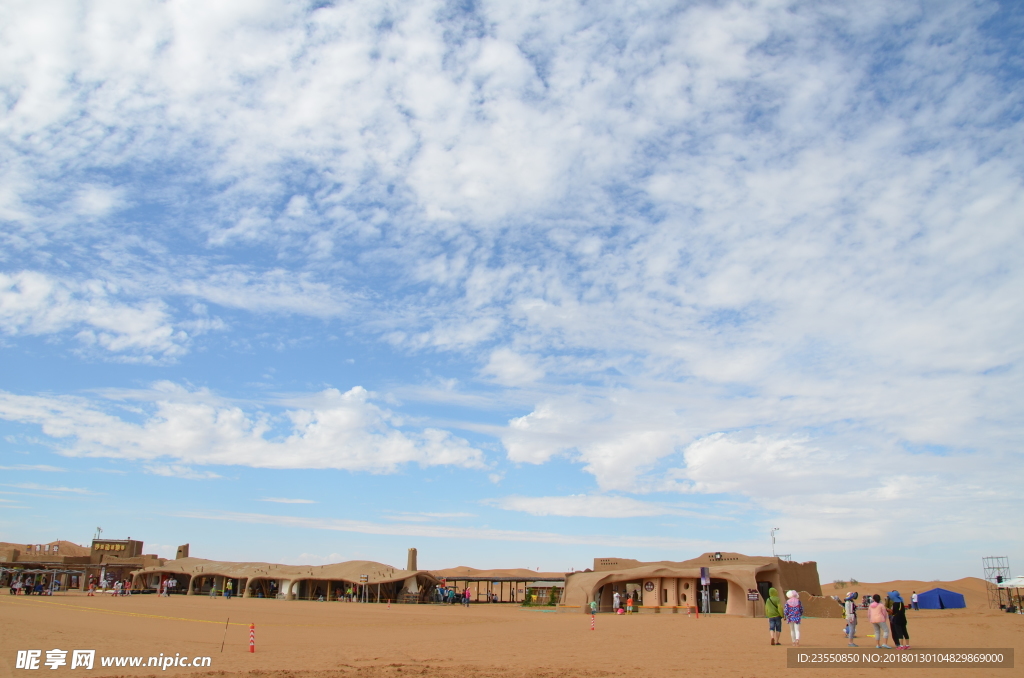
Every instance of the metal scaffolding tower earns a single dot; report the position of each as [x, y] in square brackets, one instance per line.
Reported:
[997, 570]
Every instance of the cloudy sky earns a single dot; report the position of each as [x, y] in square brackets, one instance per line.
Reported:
[518, 284]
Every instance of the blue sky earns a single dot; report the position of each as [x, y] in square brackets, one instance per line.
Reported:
[519, 284]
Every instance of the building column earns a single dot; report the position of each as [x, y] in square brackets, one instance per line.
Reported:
[652, 598]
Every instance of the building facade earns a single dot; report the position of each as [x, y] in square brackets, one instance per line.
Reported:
[735, 580]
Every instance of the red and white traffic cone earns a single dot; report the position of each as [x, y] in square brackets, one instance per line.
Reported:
[591, 622]
[252, 637]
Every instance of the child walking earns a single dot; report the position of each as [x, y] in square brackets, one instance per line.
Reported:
[793, 611]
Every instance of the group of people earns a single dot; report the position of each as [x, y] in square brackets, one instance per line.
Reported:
[449, 595]
[625, 603]
[346, 595]
[888, 619]
[28, 587]
[792, 611]
[117, 588]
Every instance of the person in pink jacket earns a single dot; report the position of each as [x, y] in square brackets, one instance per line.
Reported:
[879, 618]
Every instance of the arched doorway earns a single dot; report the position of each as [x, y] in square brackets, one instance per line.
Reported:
[718, 592]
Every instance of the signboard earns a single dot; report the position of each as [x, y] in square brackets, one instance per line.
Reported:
[363, 578]
[705, 576]
[753, 597]
[649, 586]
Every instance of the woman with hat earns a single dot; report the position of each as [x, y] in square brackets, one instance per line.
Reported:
[898, 621]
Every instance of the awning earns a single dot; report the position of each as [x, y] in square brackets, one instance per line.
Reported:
[1015, 583]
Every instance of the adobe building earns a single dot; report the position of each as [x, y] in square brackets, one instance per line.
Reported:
[71, 565]
[61, 561]
[369, 581]
[112, 560]
[675, 586]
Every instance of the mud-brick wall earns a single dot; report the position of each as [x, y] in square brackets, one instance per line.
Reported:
[820, 606]
[799, 577]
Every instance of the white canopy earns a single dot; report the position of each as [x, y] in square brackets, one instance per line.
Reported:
[1015, 583]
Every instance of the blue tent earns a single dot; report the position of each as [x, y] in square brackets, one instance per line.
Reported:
[939, 599]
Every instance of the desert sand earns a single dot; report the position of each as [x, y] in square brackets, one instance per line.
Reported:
[299, 639]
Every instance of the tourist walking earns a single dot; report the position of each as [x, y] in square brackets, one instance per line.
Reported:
[913, 599]
[616, 601]
[879, 618]
[850, 609]
[228, 588]
[898, 619]
[793, 611]
[629, 604]
[773, 611]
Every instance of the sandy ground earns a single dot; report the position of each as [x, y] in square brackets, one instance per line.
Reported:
[324, 640]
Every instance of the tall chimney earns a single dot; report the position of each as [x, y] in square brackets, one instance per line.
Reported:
[410, 564]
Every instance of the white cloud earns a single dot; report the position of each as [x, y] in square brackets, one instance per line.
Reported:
[280, 500]
[512, 369]
[616, 440]
[335, 430]
[179, 471]
[593, 506]
[48, 488]
[829, 494]
[272, 291]
[97, 201]
[423, 516]
[33, 303]
[33, 467]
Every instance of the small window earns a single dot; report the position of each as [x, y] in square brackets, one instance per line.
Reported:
[55, 548]
[46, 548]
